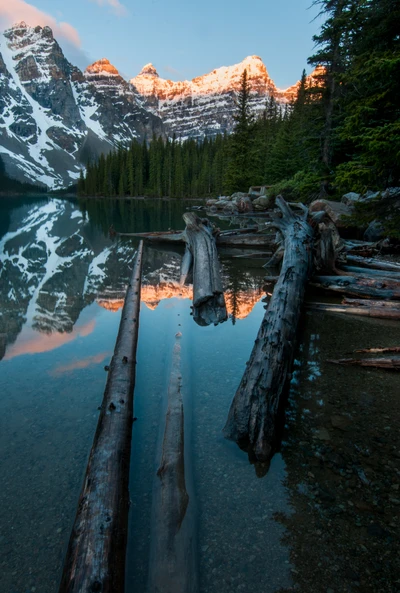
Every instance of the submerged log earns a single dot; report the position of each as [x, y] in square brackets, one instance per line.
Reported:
[392, 364]
[95, 559]
[359, 286]
[173, 555]
[371, 311]
[254, 410]
[370, 272]
[208, 294]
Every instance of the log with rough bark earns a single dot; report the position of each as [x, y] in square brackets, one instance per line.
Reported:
[371, 311]
[254, 410]
[359, 286]
[95, 559]
[392, 364]
[208, 294]
[173, 557]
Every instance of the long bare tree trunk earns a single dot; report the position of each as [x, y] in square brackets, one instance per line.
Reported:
[253, 413]
[95, 559]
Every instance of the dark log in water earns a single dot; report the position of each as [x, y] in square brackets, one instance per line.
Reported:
[371, 311]
[359, 286]
[173, 554]
[391, 364]
[253, 413]
[208, 295]
[95, 559]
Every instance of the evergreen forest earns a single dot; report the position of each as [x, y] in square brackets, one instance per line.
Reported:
[342, 133]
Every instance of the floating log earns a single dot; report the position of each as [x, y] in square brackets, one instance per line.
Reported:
[371, 262]
[208, 294]
[359, 286]
[254, 410]
[95, 559]
[376, 312]
[392, 364]
[173, 554]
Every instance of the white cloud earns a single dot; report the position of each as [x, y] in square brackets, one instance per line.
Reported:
[19, 10]
[116, 6]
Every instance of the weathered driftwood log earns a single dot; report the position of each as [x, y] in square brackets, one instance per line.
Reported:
[371, 262]
[173, 555]
[359, 286]
[392, 364]
[253, 413]
[95, 559]
[376, 312]
[208, 294]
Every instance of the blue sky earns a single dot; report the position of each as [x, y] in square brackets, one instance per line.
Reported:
[182, 39]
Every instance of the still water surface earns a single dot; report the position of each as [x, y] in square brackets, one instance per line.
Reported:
[62, 286]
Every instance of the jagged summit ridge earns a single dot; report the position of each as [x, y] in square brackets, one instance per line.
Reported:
[149, 70]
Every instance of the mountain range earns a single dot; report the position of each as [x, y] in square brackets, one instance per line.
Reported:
[54, 117]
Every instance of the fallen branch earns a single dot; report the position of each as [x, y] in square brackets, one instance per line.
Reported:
[370, 262]
[253, 413]
[95, 559]
[379, 350]
[375, 312]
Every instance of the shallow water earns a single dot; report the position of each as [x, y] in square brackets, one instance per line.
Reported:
[61, 289]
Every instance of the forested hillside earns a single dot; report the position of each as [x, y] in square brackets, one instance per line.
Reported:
[341, 134]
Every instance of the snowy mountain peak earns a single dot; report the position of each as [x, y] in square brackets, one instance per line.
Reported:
[102, 67]
[149, 70]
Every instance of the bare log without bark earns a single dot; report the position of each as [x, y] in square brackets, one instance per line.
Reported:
[208, 295]
[95, 558]
[234, 238]
[173, 564]
[371, 303]
[252, 417]
[392, 364]
[359, 286]
[380, 350]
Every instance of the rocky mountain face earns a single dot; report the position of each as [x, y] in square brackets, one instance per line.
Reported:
[53, 117]
[205, 105]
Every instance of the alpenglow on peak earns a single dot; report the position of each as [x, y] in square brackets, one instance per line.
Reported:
[102, 66]
[148, 70]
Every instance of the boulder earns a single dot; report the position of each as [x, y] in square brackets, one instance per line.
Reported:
[230, 208]
[374, 232]
[337, 211]
[220, 204]
[244, 204]
[371, 195]
[350, 198]
[238, 194]
[211, 202]
[262, 203]
[391, 192]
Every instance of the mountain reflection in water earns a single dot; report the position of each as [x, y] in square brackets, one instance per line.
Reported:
[55, 262]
